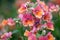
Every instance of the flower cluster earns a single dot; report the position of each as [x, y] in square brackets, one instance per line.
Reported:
[35, 16]
[38, 17]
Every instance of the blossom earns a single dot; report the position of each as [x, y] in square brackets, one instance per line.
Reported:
[44, 6]
[50, 36]
[11, 22]
[53, 7]
[22, 8]
[43, 38]
[50, 26]
[28, 20]
[6, 35]
[26, 33]
[32, 37]
[4, 22]
[47, 17]
[38, 12]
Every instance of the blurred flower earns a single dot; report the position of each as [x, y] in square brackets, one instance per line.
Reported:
[6, 35]
[53, 7]
[28, 20]
[56, 2]
[20, 16]
[11, 22]
[4, 22]
[42, 38]
[1, 27]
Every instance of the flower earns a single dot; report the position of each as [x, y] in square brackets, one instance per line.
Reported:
[53, 7]
[32, 37]
[28, 20]
[22, 8]
[6, 35]
[38, 12]
[47, 17]
[11, 22]
[20, 16]
[44, 6]
[26, 33]
[50, 36]
[4, 22]
[43, 38]
[50, 26]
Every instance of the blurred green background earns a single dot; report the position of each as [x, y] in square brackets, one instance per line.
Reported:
[8, 9]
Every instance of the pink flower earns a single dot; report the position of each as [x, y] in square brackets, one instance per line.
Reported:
[50, 26]
[53, 7]
[11, 22]
[34, 29]
[20, 16]
[28, 19]
[32, 37]
[6, 35]
[47, 17]
[43, 38]
[38, 12]
[50, 36]
[22, 9]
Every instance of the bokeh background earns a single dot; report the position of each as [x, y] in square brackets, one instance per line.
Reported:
[8, 8]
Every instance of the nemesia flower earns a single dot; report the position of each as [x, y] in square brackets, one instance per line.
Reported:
[50, 26]
[38, 12]
[11, 22]
[28, 20]
[22, 8]
[20, 16]
[32, 37]
[26, 33]
[4, 22]
[53, 7]
[43, 38]
[45, 7]
[47, 17]
[50, 36]
[6, 35]
[56, 2]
